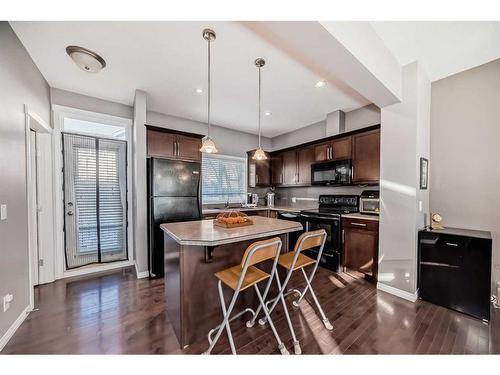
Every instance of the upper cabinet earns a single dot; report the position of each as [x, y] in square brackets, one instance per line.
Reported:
[259, 171]
[276, 169]
[336, 149]
[366, 157]
[292, 168]
[164, 144]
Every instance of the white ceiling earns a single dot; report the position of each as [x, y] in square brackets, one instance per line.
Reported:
[168, 61]
[443, 47]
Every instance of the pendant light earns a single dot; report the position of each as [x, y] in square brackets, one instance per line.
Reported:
[208, 144]
[259, 153]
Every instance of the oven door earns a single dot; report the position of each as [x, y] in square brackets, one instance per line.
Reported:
[332, 252]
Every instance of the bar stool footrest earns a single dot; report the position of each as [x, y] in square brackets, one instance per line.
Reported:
[296, 347]
[236, 316]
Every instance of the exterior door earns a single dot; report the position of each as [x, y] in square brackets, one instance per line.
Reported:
[95, 200]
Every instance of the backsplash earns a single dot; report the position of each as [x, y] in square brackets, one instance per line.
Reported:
[284, 196]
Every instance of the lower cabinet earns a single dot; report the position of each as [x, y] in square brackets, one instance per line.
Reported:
[360, 245]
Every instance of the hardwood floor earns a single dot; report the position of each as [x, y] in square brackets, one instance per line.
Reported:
[116, 313]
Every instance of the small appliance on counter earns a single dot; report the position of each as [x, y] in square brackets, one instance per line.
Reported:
[369, 202]
[270, 199]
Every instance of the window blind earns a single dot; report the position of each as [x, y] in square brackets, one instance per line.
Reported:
[223, 179]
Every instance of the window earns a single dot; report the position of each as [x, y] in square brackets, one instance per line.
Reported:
[224, 179]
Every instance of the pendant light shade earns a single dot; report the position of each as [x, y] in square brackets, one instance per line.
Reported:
[208, 145]
[259, 154]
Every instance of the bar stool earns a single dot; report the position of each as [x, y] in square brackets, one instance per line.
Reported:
[241, 277]
[293, 261]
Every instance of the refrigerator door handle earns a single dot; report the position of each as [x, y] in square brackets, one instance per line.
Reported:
[200, 217]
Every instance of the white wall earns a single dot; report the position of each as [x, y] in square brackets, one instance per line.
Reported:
[21, 83]
[404, 138]
[359, 118]
[140, 200]
[465, 151]
[228, 141]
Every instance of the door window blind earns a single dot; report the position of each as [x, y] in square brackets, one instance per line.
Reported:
[95, 191]
[223, 179]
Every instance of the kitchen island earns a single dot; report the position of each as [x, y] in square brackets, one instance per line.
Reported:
[194, 251]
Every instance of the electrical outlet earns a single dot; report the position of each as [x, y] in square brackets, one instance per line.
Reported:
[7, 299]
[3, 212]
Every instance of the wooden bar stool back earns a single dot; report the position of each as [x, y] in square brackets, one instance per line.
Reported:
[244, 276]
[293, 261]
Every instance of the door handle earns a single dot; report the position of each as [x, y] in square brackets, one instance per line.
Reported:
[358, 224]
[452, 244]
[343, 236]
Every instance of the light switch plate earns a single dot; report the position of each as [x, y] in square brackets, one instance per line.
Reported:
[3, 212]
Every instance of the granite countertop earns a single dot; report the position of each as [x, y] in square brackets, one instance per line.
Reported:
[360, 216]
[208, 211]
[205, 233]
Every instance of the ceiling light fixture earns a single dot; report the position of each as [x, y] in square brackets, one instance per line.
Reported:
[199, 91]
[320, 84]
[268, 113]
[208, 144]
[86, 59]
[259, 153]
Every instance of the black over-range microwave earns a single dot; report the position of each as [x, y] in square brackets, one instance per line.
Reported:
[337, 172]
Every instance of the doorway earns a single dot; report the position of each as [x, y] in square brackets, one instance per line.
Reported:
[95, 200]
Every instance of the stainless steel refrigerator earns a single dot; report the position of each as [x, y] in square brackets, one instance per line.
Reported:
[174, 194]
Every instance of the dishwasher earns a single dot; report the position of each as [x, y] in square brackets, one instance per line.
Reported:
[292, 236]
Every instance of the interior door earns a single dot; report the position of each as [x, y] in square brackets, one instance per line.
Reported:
[95, 205]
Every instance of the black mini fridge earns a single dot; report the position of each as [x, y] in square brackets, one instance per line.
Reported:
[455, 270]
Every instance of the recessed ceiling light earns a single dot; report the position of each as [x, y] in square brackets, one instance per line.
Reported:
[199, 91]
[320, 84]
[86, 59]
[268, 113]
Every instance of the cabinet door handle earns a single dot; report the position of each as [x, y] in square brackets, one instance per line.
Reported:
[358, 224]
[178, 149]
[343, 236]
[452, 244]
[256, 178]
[329, 153]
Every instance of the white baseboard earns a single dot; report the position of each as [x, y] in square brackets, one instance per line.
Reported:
[141, 274]
[98, 268]
[13, 328]
[412, 297]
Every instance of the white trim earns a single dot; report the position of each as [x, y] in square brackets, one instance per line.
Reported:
[141, 275]
[412, 297]
[97, 268]
[38, 124]
[13, 328]
[59, 113]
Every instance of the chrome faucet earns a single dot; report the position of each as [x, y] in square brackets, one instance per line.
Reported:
[226, 205]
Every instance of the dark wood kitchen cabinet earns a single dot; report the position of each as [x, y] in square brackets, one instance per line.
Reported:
[261, 169]
[160, 144]
[366, 157]
[163, 143]
[188, 148]
[289, 167]
[276, 170]
[336, 149]
[360, 244]
[305, 157]
[292, 168]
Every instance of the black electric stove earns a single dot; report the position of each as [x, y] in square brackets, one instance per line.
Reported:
[327, 217]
